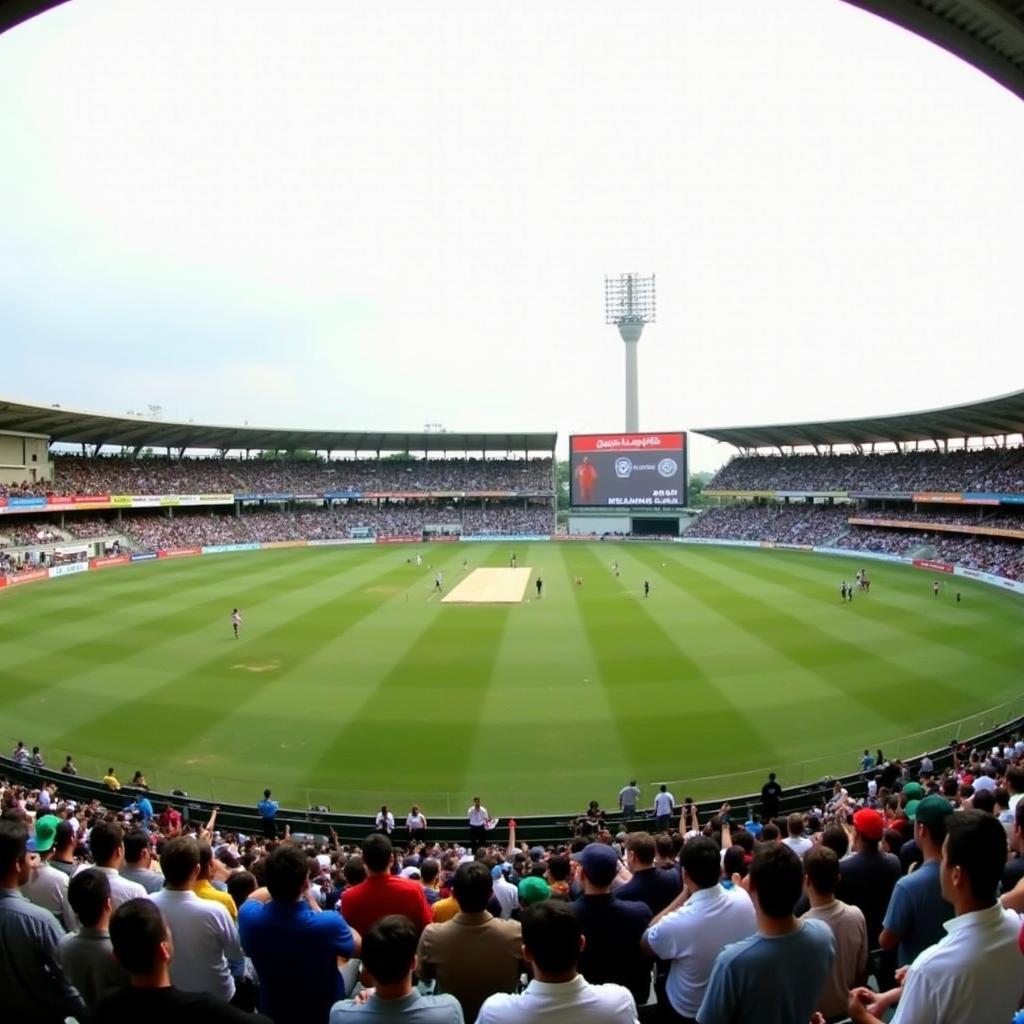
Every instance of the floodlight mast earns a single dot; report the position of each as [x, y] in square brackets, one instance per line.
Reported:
[629, 303]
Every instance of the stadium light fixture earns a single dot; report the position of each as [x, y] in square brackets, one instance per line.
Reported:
[629, 303]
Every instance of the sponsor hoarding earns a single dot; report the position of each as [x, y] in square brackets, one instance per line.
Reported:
[27, 577]
[628, 470]
[109, 560]
[927, 563]
[268, 545]
[407, 539]
[179, 552]
[335, 541]
[142, 556]
[222, 549]
[71, 569]
[516, 538]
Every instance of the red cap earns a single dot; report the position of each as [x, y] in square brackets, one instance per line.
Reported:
[869, 824]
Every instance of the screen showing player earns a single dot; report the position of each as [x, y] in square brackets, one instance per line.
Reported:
[627, 470]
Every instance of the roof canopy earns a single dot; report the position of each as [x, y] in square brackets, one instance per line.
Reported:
[988, 418]
[74, 426]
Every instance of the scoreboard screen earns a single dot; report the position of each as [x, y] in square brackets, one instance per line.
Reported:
[627, 470]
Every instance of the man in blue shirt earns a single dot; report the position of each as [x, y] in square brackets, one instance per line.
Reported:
[917, 912]
[268, 812]
[777, 975]
[389, 957]
[293, 945]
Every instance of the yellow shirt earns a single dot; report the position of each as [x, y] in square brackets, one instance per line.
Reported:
[111, 782]
[204, 890]
[445, 910]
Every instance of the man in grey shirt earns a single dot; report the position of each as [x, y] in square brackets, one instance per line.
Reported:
[34, 985]
[87, 956]
[137, 859]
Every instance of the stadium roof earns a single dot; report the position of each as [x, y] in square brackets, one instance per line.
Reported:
[989, 34]
[73, 426]
[989, 418]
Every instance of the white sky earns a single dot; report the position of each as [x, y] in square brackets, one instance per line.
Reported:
[361, 215]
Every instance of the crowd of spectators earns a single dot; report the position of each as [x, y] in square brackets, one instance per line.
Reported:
[969, 517]
[116, 910]
[160, 475]
[14, 533]
[990, 469]
[269, 524]
[779, 524]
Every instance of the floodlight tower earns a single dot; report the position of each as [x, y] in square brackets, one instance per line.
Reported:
[629, 304]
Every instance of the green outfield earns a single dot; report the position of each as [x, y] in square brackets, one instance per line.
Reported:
[352, 684]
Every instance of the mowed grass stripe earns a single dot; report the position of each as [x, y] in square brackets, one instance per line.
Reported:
[632, 647]
[546, 698]
[193, 701]
[855, 669]
[129, 636]
[452, 659]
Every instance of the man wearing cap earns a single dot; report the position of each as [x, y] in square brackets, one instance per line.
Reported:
[473, 955]
[612, 927]
[531, 890]
[868, 876]
[48, 887]
[505, 893]
[976, 973]
[33, 986]
[917, 911]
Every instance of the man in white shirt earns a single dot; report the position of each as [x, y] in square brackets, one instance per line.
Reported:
[478, 818]
[106, 844]
[975, 975]
[552, 942]
[48, 887]
[796, 840]
[205, 937]
[694, 928]
[664, 801]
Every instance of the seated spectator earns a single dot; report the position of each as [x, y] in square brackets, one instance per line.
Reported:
[821, 876]
[975, 975]
[293, 946]
[383, 893]
[33, 985]
[694, 928]
[612, 927]
[474, 954]
[389, 959]
[87, 956]
[144, 947]
[776, 976]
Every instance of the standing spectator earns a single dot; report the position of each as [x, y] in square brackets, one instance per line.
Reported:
[268, 815]
[33, 986]
[691, 932]
[430, 870]
[821, 875]
[389, 958]
[106, 843]
[383, 893]
[138, 856]
[628, 796]
[145, 949]
[478, 818]
[204, 887]
[552, 941]
[795, 838]
[976, 973]
[867, 877]
[169, 822]
[110, 780]
[20, 754]
[385, 821]
[87, 956]
[36, 758]
[48, 887]
[917, 911]
[474, 955]
[206, 938]
[64, 842]
[416, 824]
[654, 886]
[771, 798]
[69, 766]
[612, 927]
[664, 801]
[777, 975]
[293, 945]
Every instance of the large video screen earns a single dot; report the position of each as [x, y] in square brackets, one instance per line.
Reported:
[627, 470]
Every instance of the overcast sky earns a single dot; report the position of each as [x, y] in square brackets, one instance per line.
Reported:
[360, 215]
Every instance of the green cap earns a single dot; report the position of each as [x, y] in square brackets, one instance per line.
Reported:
[46, 832]
[911, 808]
[533, 890]
[932, 812]
[913, 791]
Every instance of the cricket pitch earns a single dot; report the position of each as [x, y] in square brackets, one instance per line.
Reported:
[491, 586]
